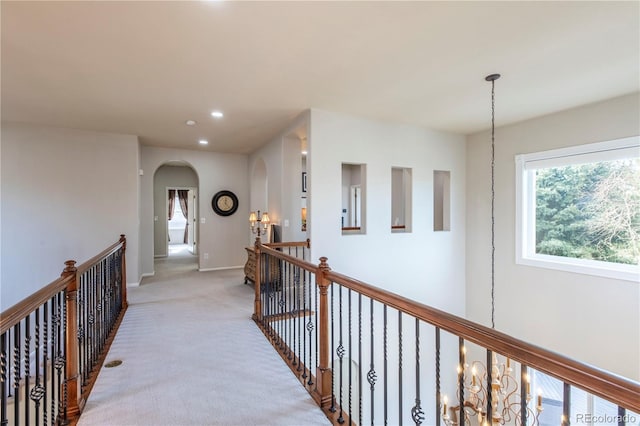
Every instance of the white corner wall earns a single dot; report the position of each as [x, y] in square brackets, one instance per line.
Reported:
[66, 194]
[221, 238]
[283, 162]
[424, 265]
[593, 319]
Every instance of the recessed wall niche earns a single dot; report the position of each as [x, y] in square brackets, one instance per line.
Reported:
[400, 199]
[354, 194]
[441, 200]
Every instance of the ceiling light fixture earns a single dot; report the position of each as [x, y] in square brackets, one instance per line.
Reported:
[203, 142]
[190, 122]
[217, 114]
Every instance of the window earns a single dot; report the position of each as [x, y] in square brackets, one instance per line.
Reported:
[578, 209]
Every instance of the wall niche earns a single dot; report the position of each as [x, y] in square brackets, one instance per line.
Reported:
[354, 195]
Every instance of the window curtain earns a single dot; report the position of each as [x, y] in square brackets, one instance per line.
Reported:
[183, 195]
[172, 206]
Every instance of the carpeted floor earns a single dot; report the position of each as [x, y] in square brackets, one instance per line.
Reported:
[192, 356]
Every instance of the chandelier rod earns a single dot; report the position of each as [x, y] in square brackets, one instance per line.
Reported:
[492, 78]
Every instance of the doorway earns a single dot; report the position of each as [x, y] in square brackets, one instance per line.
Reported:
[182, 221]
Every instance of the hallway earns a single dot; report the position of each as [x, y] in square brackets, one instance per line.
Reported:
[192, 356]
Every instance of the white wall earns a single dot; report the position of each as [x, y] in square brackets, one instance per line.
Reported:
[589, 318]
[423, 265]
[283, 160]
[221, 238]
[58, 187]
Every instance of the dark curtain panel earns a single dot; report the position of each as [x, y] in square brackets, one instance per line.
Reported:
[183, 195]
[172, 206]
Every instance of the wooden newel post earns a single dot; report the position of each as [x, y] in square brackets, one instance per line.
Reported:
[324, 372]
[72, 383]
[123, 280]
[257, 303]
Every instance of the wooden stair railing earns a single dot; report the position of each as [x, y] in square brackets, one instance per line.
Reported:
[53, 343]
[367, 355]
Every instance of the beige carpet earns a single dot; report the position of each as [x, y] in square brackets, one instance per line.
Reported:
[192, 356]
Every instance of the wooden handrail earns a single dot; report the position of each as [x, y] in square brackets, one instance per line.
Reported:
[11, 316]
[17, 312]
[306, 244]
[598, 382]
[104, 253]
[622, 391]
[63, 295]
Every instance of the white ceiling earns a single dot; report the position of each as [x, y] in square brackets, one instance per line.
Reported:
[144, 68]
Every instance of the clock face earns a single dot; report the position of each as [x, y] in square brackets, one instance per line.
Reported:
[224, 203]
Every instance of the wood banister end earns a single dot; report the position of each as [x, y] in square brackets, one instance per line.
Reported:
[323, 264]
[70, 268]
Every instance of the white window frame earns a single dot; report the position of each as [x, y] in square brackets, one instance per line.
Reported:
[526, 164]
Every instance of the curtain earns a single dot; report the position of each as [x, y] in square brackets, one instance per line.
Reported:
[172, 206]
[183, 196]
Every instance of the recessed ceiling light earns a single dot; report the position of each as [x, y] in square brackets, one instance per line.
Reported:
[217, 114]
[203, 142]
[190, 122]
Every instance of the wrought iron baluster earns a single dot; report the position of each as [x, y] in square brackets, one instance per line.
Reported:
[359, 358]
[317, 314]
[38, 390]
[81, 324]
[566, 404]
[310, 328]
[371, 375]
[438, 391]
[400, 367]
[45, 357]
[340, 352]
[622, 416]
[524, 380]
[62, 350]
[299, 321]
[490, 412]
[333, 370]
[284, 270]
[27, 366]
[462, 358]
[350, 354]
[417, 415]
[279, 306]
[304, 334]
[296, 318]
[55, 358]
[384, 344]
[3, 379]
[16, 373]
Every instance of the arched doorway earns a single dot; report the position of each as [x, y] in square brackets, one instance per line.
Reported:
[175, 201]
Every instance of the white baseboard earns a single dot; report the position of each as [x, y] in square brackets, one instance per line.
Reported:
[156, 256]
[137, 284]
[220, 268]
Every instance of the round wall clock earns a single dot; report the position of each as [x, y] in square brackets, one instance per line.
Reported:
[224, 203]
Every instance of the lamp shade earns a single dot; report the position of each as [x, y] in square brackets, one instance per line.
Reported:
[265, 218]
[252, 217]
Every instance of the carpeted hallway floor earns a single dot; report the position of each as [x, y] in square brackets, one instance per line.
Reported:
[192, 356]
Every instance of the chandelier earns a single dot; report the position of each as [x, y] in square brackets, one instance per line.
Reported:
[506, 398]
